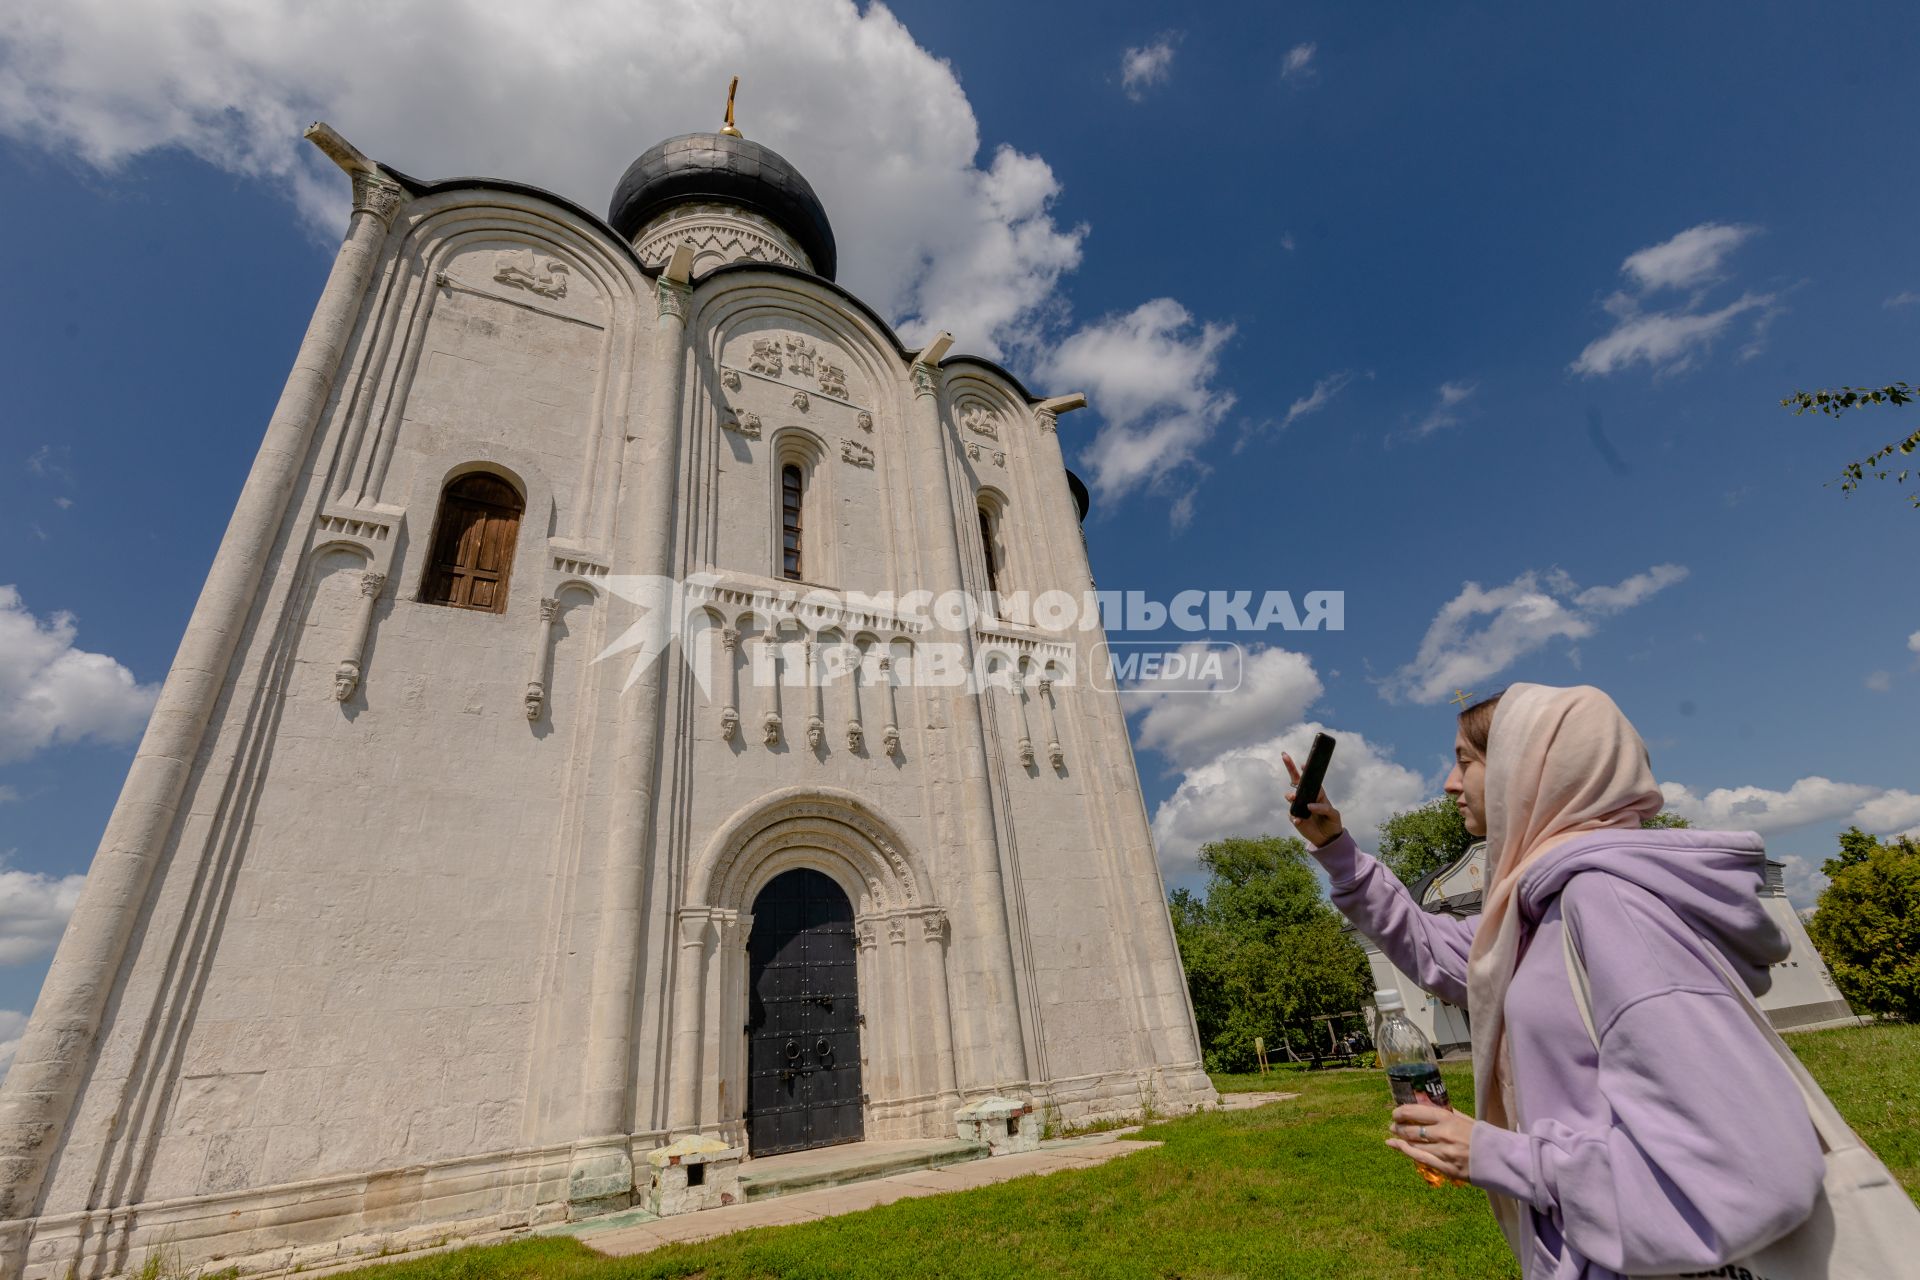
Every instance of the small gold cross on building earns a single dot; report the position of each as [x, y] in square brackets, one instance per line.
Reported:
[1460, 698]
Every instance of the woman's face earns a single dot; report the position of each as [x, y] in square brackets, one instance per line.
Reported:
[1467, 784]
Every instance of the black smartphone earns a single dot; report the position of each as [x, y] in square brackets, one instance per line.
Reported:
[1313, 774]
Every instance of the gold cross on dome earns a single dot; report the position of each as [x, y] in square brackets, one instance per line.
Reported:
[1460, 698]
[729, 128]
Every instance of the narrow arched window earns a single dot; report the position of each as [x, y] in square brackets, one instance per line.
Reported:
[792, 490]
[991, 552]
[473, 544]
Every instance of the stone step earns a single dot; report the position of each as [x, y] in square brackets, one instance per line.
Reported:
[797, 1171]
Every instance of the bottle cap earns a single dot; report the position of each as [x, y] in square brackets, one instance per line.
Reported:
[1388, 1000]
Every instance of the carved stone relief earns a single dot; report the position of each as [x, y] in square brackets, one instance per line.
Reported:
[857, 453]
[746, 424]
[980, 420]
[766, 358]
[525, 269]
[800, 356]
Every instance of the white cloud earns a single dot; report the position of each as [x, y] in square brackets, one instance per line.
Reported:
[33, 912]
[1319, 398]
[1481, 632]
[52, 692]
[1913, 642]
[1691, 258]
[1667, 339]
[1905, 298]
[1148, 66]
[13, 1024]
[1809, 800]
[1890, 813]
[1879, 681]
[1189, 728]
[1149, 373]
[1242, 792]
[9, 795]
[1286, 241]
[932, 234]
[1299, 62]
[1446, 407]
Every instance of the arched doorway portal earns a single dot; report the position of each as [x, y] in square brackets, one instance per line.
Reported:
[803, 1020]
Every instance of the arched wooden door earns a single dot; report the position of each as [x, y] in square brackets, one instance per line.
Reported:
[803, 1017]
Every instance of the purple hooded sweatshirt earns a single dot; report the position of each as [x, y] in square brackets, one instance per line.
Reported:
[1683, 1142]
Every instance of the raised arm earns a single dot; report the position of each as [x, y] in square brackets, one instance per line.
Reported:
[1428, 947]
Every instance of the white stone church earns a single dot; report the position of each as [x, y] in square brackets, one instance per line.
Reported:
[416, 919]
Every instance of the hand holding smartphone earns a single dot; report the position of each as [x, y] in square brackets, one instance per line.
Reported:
[1308, 785]
[1319, 828]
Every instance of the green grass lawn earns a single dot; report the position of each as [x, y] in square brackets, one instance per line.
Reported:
[1294, 1191]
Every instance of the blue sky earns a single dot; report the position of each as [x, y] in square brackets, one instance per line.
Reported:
[1478, 314]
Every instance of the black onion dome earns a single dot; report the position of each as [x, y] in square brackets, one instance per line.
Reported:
[1081, 498]
[726, 170]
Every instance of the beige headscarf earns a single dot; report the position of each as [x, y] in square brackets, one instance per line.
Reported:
[1560, 762]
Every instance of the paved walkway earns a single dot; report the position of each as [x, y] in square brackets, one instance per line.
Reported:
[622, 1235]
[1248, 1101]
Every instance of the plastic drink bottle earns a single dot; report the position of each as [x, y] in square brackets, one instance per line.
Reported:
[1412, 1069]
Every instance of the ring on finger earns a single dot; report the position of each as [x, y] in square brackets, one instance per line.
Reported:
[1422, 1133]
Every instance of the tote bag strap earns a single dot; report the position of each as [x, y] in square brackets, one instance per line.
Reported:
[1835, 1134]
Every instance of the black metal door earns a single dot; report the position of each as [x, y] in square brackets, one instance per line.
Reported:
[803, 1028]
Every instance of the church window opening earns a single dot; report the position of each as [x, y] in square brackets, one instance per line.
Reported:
[473, 544]
[988, 548]
[792, 491]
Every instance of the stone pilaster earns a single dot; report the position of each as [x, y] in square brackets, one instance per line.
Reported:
[39, 1091]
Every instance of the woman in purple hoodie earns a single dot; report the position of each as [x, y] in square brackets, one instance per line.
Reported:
[1683, 1142]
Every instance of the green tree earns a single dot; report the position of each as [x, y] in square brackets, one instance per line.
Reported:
[1424, 839]
[1665, 820]
[1867, 925]
[1835, 401]
[1263, 950]
[1855, 847]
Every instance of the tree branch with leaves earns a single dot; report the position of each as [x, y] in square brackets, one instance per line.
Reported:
[1837, 400]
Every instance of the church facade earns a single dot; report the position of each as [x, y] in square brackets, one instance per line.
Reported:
[556, 764]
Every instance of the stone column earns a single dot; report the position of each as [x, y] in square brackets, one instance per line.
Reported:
[853, 669]
[689, 1019]
[933, 967]
[985, 925]
[37, 1099]
[1017, 687]
[542, 647]
[770, 722]
[602, 1167]
[901, 1019]
[734, 975]
[346, 676]
[816, 707]
[872, 1007]
[730, 710]
[1056, 754]
[890, 733]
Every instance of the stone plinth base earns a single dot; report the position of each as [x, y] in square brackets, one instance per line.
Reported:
[1002, 1125]
[692, 1174]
